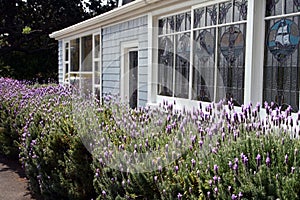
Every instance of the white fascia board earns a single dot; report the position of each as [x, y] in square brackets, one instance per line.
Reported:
[127, 11]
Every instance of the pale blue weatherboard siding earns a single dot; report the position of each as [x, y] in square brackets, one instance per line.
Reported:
[60, 62]
[112, 38]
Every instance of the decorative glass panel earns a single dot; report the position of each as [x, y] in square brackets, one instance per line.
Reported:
[75, 55]
[281, 65]
[296, 5]
[166, 25]
[204, 62]
[86, 53]
[182, 65]
[240, 10]
[225, 13]
[165, 69]
[231, 63]
[183, 22]
[211, 15]
[199, 18]
[274, 7]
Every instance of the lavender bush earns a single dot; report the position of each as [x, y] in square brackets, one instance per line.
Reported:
[213, 152]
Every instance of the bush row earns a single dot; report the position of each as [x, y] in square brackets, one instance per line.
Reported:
[74, 148]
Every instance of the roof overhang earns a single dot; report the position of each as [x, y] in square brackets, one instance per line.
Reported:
[119, 14]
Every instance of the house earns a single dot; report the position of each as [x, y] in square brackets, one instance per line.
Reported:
[148, 51]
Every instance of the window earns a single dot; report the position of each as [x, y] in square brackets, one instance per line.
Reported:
[213, 63]
[281, 60]
[82, 66]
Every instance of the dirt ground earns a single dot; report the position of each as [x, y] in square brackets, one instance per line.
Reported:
[13, 184]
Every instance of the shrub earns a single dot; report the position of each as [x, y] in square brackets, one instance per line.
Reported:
[214, 152]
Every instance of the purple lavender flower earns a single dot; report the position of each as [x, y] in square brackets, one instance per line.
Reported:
[216, 168]
[292, 170]
[286, 158]
[176, 168]
[258, 159]
[210, 182]
[216, 190]
[103, 193]
[233, 197]
[268, 161]
[193, 162]
[240, 195]
[230, 164]
[179, 196]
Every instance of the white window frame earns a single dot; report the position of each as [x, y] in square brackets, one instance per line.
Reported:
[79, 73]
[126, 47]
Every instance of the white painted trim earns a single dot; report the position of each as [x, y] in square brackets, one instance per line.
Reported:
[135, 8]
[150, 54]
[255, 40]
[124, 79]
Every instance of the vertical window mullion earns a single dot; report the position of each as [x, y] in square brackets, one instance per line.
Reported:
[216, 57]
[174, 65]
[191, 56]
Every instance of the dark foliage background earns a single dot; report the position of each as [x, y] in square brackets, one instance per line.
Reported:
[26, 51]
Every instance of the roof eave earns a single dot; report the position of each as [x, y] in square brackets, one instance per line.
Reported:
[105, 18]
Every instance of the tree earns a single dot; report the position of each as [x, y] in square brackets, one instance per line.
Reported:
[26, 51]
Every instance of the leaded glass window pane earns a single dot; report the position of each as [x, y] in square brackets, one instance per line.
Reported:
[225, 13]
[182, 65]
[165, 68]
[204, 62]
[281, 64]
[240, 10]
[183, 22]
[166, 25]
[274, 7]
[231, 63]
[199, 17]
[211, 15]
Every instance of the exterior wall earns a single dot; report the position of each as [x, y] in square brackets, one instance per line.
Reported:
[112, 39]
[60, 62]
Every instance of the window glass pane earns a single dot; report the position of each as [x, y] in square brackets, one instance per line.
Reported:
[274, 7]
[231, 63]
[165, 68]
[97, 46]
[166, 25]
[240, 10]
[225, 13]
[204, 64]
[86, 53]
[199, 17]
[183, 22]
[66, 68]
[292, 6]
[86, 84]
[211, 15]
[67, 51]
[182, 65]
[281, 64]
[75, 55]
